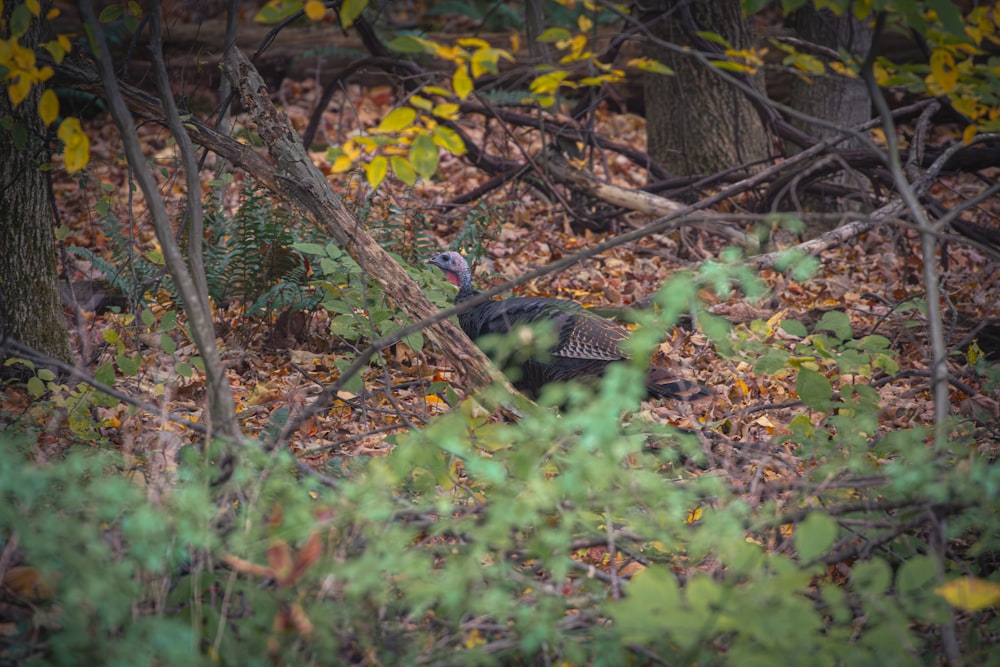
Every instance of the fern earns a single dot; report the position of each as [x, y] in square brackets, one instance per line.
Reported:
[124, 266]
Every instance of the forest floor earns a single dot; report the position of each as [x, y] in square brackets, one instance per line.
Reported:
[875, 279]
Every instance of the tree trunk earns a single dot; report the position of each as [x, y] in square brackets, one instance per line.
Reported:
[30, 310]
[696, 122]
[833, 98]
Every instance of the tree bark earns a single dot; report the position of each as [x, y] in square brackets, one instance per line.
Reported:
[30, 310]
[696, 122]
[831, 97]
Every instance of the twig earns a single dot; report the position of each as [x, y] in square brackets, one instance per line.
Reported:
[20, 350]
[938, 356]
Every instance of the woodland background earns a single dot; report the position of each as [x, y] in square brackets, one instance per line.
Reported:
[262, 439]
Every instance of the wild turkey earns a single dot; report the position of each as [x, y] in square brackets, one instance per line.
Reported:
[586, 342]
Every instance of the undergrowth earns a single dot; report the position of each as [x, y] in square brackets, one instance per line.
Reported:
[571, 537]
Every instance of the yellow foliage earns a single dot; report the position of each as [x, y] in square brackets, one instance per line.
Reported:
[461, 82]
[77, 145]
[48, 107]
[315, 10]
[943, 71]
[376, 170]
[970, 593]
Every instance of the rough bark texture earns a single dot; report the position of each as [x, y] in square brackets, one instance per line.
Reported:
[30, 310]
[833, 98]
[696, 122]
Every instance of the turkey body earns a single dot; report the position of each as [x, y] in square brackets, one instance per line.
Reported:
[584, 343]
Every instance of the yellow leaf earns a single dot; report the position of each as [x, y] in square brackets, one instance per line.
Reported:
[461, 82]
[446, 110]
[376, 170]
[943, 70]
[77, 145]
[48, 107]
[449, 140]
[548, 83]
[19, 89]
[584, 23]
[341, 164]
[650, 65]
[806, 63]
[315, 10]
[693, 515]
[970, 593]
[473, 43]
[422, 103]
[968, 134]
[436, 90]
[515, 42]
[739, 68]
[397, 120]
[33, 6]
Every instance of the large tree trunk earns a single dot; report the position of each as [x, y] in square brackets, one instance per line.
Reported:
[30, 310]
[696, 122]
[833, 98]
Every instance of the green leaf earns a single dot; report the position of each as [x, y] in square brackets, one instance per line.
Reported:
[837, 322]
[639, 617]
[715, 38]
[184, 369]
[403, 170]
[350, 10]
[20, 20]
[129, 365]
[110, 13]
[794, 328]
[147, 317]
[105, 374]
[407, 44]
[167, 343]
[789, 6]
[554, 35]
[814, 535]
[771, 362]
[355, 383]
[448, 139]
[309, 248]
[916, 576]
[35, 387]
[871, 578]
[873, 343]
[751, 7]
[949, 15]
[424, 155]
[814, 389]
